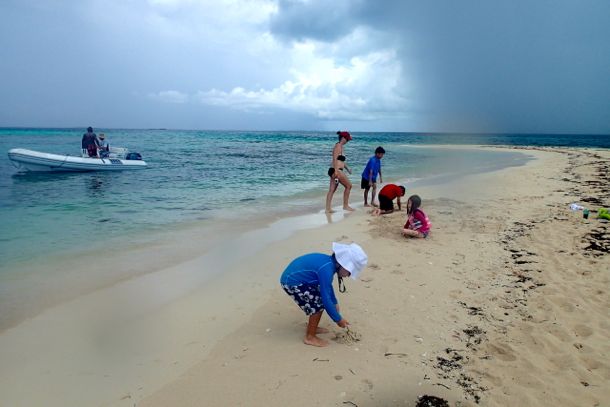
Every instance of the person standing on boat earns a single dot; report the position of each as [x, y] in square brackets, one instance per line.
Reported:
[90, 142]
[104, 146]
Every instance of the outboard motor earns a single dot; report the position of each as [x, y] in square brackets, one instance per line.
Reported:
[133, 156]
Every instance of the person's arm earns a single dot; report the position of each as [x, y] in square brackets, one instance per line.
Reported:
[370, 177]
[327, 293]
[380, 180]
[334, 300]
[398, 202]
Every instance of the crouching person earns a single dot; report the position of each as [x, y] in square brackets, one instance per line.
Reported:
[308, 279]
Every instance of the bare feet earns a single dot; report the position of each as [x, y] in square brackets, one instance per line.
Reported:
[315, 341]
[367, 205]
[330, 211]
[320, 330]
[374, 204]
[348, 208]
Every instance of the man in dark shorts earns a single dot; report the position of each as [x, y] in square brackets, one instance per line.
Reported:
[90, 142]
[386, 198]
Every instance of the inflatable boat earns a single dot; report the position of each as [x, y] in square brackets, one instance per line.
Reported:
[118, 159]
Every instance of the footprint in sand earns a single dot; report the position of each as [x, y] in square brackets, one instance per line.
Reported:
[564, 304]
[495, 380]
[592, 363]
[560, 333]
[502, 352]
[583, 330]
[368, 383]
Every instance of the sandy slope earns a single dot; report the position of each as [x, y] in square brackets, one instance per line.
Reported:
[501, 306]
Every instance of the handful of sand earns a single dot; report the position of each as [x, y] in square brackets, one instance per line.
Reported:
[347, 337]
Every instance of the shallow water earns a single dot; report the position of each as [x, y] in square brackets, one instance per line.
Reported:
[192, 175]
[194, 178]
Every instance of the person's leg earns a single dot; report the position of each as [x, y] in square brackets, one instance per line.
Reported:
[385, 205]
[373, 192]
[348, 187]
[364, 185]
[312, 328]
[329, 196]
[412, 233]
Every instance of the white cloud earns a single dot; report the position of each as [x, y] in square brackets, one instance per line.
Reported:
[365, 87]
[221, 53]
[170, 96]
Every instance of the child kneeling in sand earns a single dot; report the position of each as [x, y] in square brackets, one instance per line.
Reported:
[308, 279]
[418, 224]
[386, 199]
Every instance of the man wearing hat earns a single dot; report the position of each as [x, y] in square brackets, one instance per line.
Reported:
[104, 146]
[308, 279]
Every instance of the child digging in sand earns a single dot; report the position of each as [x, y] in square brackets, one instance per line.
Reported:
[418, 225]
[308, 279]
[386, 199]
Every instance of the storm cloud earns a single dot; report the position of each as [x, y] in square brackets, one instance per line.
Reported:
[469, 66]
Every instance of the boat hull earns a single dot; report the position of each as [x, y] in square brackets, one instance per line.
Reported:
[36, 161]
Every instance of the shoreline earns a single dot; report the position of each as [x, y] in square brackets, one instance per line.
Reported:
[201, 331]
[47, 282]
[453, 339]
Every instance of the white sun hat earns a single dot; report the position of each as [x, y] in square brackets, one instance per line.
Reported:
[351, 257]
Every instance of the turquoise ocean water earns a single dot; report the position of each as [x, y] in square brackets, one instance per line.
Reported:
[204, 176]
[195, 175]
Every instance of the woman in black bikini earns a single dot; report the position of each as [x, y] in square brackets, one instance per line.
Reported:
[335, 172]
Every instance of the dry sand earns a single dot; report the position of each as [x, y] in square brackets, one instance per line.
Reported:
[506, 303]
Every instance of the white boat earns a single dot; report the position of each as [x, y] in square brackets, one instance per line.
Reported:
[119, 159]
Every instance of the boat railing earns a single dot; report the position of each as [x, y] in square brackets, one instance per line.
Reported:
[114, 152]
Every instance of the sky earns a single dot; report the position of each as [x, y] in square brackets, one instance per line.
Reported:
[517, 66]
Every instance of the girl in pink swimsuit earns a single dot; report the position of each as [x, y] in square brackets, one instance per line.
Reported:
[418, 225]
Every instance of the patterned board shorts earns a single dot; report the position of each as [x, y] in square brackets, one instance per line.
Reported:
[307, 297]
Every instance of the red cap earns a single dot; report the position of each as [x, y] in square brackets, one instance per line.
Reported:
[345, 135]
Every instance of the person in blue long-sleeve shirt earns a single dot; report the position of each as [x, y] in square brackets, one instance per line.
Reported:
[308, 279]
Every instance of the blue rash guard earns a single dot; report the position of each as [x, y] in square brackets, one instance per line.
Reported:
[373, 164]
[316, 269]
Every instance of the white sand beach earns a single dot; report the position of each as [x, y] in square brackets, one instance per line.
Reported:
[506, 303]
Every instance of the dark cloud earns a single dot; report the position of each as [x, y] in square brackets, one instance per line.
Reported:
[318, 20]
[520, 66]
